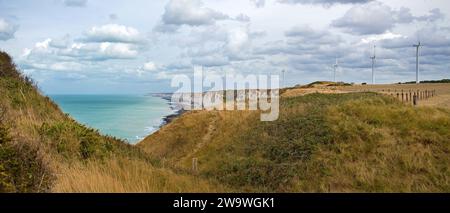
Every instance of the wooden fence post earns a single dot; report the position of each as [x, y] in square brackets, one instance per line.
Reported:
[194, 165]
[410, 96]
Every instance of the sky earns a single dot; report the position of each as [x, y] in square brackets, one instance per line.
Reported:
[137, 46]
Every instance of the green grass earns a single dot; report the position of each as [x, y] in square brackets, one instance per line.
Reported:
[361, 142]
[42, 149]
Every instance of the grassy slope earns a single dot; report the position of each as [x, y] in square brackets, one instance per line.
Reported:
[42, 149]
[342, 143]
[347, 142]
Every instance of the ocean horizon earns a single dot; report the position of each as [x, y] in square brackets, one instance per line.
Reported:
[128, 117]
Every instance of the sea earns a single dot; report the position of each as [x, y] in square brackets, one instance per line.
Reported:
[128, 117]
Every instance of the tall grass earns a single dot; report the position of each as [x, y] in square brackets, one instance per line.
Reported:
[321, 143]
[42, 149]
[127, 175]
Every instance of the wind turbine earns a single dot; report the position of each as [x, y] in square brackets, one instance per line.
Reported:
[417, 46]
[335, 66]
[283, 71]
[373, 64]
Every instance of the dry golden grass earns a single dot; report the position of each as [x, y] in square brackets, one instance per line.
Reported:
[358, 142]
[384, 157]
[321, 143]
[127, 175]
[442, 89]
[306, 91]
[64, 156]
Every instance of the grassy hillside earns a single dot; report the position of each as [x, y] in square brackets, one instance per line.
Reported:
[42, 149]
[356, 142]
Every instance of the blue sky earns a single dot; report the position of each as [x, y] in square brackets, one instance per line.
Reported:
[136, 46]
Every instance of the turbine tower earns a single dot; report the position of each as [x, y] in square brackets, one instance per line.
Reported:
[282, 72]
[417, 46]
[335, 66]
[373, 65]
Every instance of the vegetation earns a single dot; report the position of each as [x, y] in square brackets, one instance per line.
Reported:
[430, 81]
[354, 142]
[42, 149]
[357, 142]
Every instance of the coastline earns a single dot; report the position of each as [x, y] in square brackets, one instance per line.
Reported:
[177, 108]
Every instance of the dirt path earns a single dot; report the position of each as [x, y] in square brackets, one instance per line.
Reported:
[205, 139]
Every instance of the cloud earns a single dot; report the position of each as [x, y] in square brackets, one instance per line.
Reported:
[113, 17]
[431, 37]
[65, 49]
[100, 51]
[242, 18]
[259, 3]
[75, 3]
[435, 14]
[237, 40]
[326, 3]
[150, 66]
[306, 34]
[60, 43]
[7, 30]
[112, 33]
[378, 18]
[211, 60]
[190, 12]
[373, 18]
[380, 37]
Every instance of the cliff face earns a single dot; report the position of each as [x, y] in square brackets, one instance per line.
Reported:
[42, 149]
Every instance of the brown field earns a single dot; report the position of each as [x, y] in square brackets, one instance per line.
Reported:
[442, 98]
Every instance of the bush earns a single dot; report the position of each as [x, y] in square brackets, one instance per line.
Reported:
[21, 167]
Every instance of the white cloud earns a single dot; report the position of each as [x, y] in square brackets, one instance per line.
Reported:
[112, 33]
[259, 3]
[75, 3]
[211, 60]
[191, 13]
[7, 30]
[43, 44]
[117, 50]
[242, 17]
[324, 2]
[238, 39]
[377, 18]
[45, 51]
[372, 18]
[150, 66]
[384, 36]
[220, 35]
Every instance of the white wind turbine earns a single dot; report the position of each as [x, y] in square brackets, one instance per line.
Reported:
[417, 46]
[373, 65]
[335, 66]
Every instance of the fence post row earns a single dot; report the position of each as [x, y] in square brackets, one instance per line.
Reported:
[410, 96]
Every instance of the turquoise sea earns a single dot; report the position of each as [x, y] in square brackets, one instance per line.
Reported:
[129, 117]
